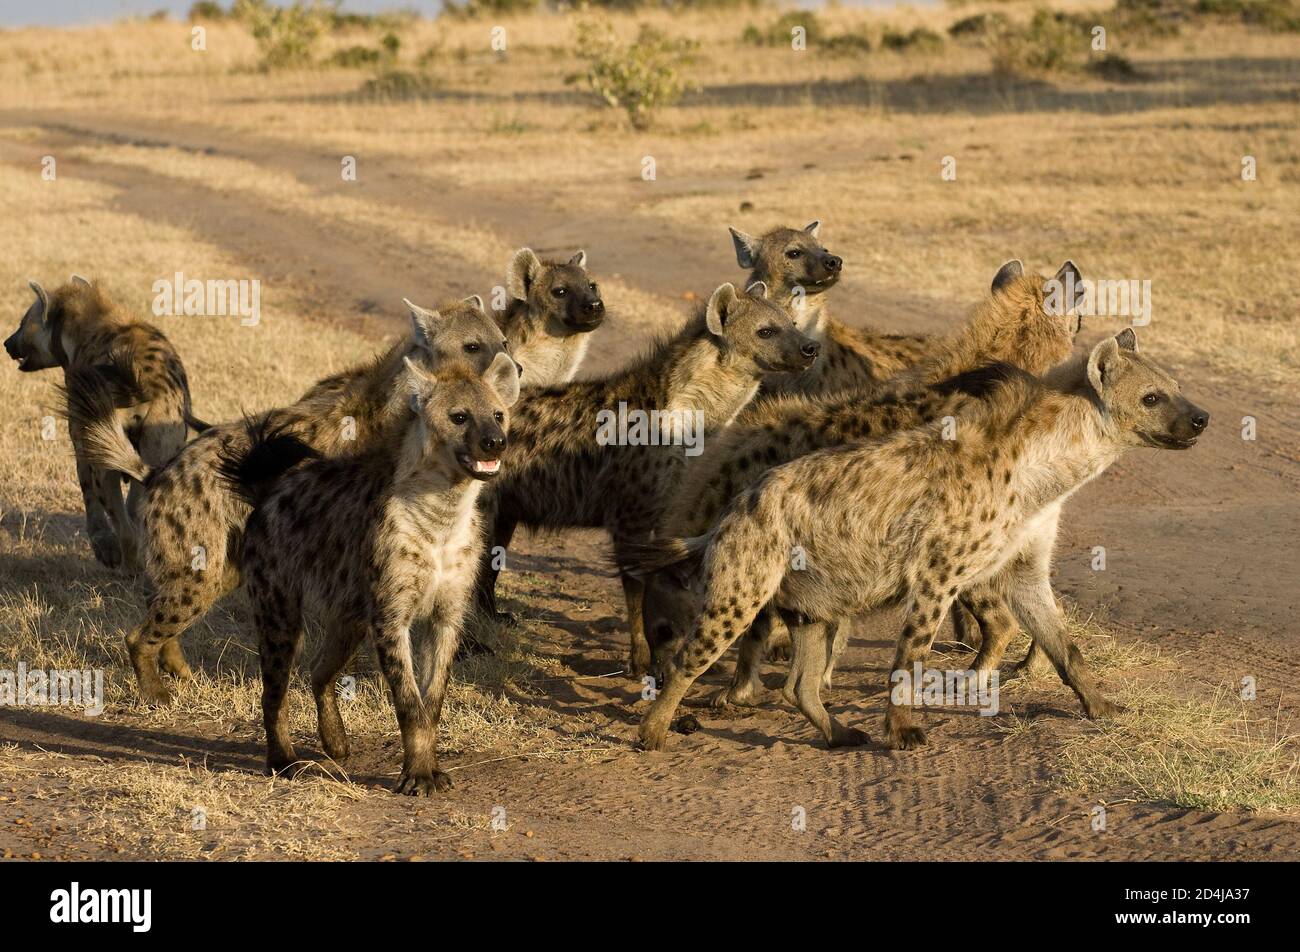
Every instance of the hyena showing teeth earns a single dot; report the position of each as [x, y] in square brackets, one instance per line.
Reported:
[372, 542]
[552, 311]
[122, 380]
[560, 472]
[1013, 325]
[917, 519]
[192, 521]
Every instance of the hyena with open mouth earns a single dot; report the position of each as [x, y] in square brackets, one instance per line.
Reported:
[917, 518]
[119, 373]
[1013, 325]
[193, 521]
[561, 475]
[373, 542]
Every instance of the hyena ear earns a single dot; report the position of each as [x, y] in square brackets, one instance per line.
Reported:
[524, 269]
[720, 304]
[503, 377]
[758, 289]
[1071, 280]
[579, 260]
[418, 383]
[85, 281]
[1127, 340]
[42, 297]
[746, 248]
[813, 227]
[474, 300]
[1104, 366]
[424, 325]
[1007, 273]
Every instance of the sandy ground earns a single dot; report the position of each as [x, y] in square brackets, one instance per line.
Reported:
[1202, 564]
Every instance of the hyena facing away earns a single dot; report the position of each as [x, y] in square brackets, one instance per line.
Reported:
[373, 542]
[552, 311]
[917, 518]
[119, 373]
[562, 471]
[1012, 325]
[799, 272]
[193, 520]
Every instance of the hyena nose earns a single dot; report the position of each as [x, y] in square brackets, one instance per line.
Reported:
[834, 262]
[1200, 419]
[493, 444]
[810, 349]
[596, 306]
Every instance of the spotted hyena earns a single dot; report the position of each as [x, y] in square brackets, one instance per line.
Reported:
[370, 543]
[120, 374]
[916, 519]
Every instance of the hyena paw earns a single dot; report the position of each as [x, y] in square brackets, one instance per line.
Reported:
[905, 737]
[686, 724]
[108, 551]
[1104, 708]
[852, 737]
[156, 693]
[336, 748]
[423, 785]
[653, 737]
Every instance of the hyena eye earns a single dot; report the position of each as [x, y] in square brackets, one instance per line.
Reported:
[592, 287]
[793, 253]
[1151, 399]
[559, 292]
[459, 419]
[766, 332]
[473, 347]
[499, 416]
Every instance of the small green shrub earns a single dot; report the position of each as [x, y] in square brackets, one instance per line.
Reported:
[638, 77]
[981, 24]
[919, 40]
[781, 31]
[397, 84]
[1049, 43]
[207, 10]
[847, 44]
[286, 36]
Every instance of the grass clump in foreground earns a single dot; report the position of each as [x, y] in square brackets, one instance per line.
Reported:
[1215, 754]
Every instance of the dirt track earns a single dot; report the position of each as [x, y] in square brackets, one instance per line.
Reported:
[1201, 558]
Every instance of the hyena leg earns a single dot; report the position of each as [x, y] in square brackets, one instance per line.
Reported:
[441, 651]
[778, 645]
[103, 540]
[341, 643]
[638, 659]
[279, 631]
[839, 640]
[420, 776]
[812, 651]
[966, 628]
[1035, 605]
[989, 607]
[108, 491]
[181, 597]
[923, 620]
[746, 687]
[1034, 662]
[499, 531]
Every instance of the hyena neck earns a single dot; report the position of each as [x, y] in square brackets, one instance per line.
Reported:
[716, 382]
[548, 360]
[1063, 443]
[427, 484]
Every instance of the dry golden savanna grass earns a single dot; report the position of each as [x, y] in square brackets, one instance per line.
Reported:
[1134, 180]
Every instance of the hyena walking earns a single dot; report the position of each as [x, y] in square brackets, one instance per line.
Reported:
[917, 518]
[553, 309]
[116, 369]
[193, 521]
[1013, 325]
[373, 542]
[799, 271]
[561, 473]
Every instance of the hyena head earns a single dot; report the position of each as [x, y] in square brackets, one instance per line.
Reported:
[1142, 402]
[668, 612]
[786, 259]
[753, 329]
[459, 332]
[36, 345]
[563, 296]
[464, 415]
[1024, 324]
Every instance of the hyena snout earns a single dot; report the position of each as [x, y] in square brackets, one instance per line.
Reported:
[481, 455]
[585, 313]
[11, 346]
[1191, 423]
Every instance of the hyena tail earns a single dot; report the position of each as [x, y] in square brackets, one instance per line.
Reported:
[681, 557]
[271, 452]
[90, 398]
[194, 423]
